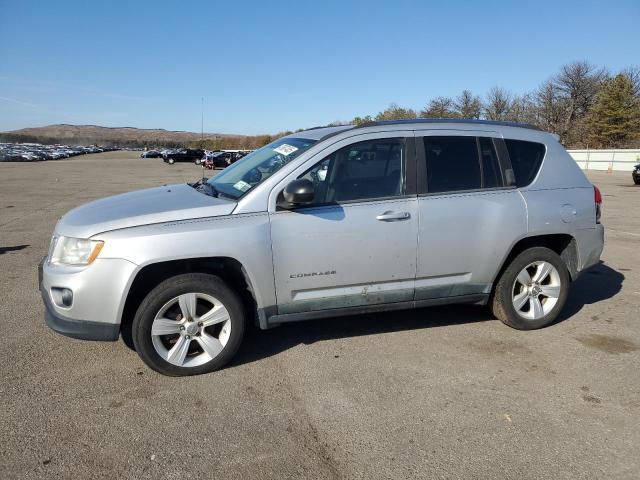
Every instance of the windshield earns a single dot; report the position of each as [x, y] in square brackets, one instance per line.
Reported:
[240, 177]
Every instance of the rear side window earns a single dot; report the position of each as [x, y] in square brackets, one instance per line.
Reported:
[452, 164]
[459, 163]
[526, 158]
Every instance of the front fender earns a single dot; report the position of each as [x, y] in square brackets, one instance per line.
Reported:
[245, 238]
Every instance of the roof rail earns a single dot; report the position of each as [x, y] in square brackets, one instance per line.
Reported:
[450, 120]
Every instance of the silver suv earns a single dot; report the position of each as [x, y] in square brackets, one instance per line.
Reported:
[328, 222]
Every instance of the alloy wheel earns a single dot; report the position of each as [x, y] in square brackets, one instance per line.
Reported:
[191, 329]
[536, 290]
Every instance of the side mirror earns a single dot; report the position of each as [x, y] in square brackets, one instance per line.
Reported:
[299, 192]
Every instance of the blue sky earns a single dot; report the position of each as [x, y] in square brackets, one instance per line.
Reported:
[265, 66]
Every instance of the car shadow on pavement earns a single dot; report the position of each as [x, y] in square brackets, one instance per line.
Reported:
[598, 283]
[595, 285]
[14, 248]
[262, 344]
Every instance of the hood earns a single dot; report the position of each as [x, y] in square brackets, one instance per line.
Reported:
[142, 207]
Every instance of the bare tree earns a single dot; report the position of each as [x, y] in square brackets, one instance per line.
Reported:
[522, 109]
[497, 104]
[579, 83]
[549, 107]
[440, 107]
[467, 105]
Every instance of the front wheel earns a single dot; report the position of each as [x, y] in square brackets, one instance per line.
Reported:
[171, 161]
[189, 324]
[532, 290]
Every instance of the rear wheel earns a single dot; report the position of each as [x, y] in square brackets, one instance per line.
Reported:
[532, 290]
[188, 325]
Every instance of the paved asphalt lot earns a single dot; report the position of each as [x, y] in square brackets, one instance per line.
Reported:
[435, 393]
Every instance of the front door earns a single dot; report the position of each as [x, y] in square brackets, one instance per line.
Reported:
[355, 245]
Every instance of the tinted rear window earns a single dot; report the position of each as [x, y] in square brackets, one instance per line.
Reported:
[526, 158]
[452, 164]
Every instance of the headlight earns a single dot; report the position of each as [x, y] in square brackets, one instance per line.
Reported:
[74, 251]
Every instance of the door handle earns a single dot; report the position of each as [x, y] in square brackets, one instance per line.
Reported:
[390, 216]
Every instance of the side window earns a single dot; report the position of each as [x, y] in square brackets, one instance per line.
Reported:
[452, 164]
[526, 158]
[490, 167]
[362, 171]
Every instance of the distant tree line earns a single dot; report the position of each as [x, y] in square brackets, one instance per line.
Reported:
[585, 105]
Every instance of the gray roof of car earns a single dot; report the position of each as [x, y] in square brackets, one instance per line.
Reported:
[317, 133]
[320, 133]
[450, 120]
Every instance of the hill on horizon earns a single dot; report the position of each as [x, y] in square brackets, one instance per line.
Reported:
[128, 137]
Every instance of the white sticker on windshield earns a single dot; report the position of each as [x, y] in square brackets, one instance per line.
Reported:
[242, 186]
[285, 149]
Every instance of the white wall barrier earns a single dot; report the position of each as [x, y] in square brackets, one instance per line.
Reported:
[620, 159]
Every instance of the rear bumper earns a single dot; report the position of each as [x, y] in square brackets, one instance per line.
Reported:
[590, 245]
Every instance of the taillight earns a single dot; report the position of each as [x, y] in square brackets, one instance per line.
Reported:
[597, 198]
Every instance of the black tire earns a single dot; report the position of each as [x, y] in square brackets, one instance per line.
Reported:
[637, 182]
[502, 300]
[171, 288]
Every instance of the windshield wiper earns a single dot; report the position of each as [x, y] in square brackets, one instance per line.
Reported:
[199, 182]
[203, 186]
[207, 189]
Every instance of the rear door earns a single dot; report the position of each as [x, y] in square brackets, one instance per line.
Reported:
[356, 244]
[470, 212]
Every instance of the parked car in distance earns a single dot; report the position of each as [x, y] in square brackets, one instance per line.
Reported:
[635, 174]
[35, 152]
[240, 154]
[183, 155]
[406, 214]
[223, 158]
[151, 154]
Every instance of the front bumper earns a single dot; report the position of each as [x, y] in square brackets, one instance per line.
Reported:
[98, 290]
[82, 329]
